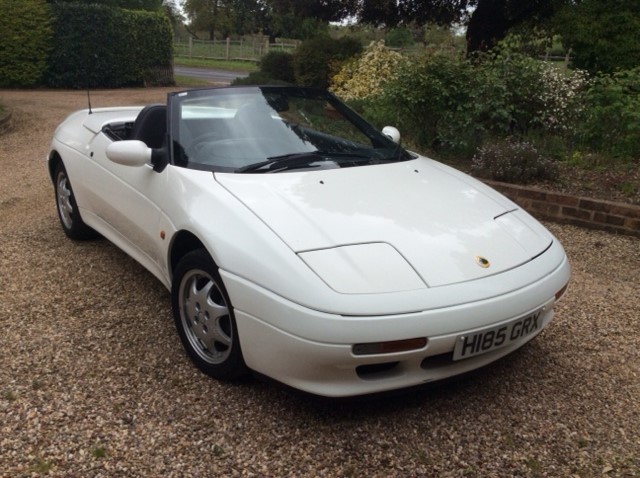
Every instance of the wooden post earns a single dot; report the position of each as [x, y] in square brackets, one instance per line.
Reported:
[228, 43]
[190, 46]
[567, 58]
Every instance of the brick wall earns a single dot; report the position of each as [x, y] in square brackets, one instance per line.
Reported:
[592, 213]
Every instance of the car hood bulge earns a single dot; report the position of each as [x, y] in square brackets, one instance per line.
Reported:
[419, 218]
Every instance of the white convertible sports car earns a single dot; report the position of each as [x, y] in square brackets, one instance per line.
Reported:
[299, 242]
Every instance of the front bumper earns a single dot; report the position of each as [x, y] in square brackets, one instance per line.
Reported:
[312, 351]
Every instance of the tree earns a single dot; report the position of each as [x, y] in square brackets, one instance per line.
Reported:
[247, 16]
[379, 13]
[149, 5]
[604, 35]
[225, 16]
[324, 10]
[493, 19]
[390, 13]
[439, 12]
[172, 11]
[488, 21]
[208, 15]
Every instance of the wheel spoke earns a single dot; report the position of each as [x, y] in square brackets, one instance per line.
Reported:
[218, 333]
[64, 201]
[206, 317]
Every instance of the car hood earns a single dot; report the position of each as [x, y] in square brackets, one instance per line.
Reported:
[422, 222]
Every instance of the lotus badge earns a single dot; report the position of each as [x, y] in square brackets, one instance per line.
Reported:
[483, 262]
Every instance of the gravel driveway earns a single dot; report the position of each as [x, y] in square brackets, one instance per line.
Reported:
[94, 381]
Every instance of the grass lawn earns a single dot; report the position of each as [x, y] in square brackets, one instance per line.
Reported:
[239, 66]
[190, 82]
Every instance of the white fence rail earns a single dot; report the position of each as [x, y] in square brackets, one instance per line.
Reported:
[247, 50]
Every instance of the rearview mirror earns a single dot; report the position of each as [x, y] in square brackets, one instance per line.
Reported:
[392, 133]
[129, 153]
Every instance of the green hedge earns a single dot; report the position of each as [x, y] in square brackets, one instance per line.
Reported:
[25, 36]
[100, 46]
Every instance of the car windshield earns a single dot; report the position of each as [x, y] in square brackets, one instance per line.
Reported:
[272, 129]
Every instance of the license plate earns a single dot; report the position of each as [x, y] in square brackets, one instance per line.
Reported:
[486, 340]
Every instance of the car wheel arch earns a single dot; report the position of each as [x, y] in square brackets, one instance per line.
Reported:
[54, 160]
[182, 243]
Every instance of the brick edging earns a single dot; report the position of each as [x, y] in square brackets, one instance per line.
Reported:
[609, 216]
[5, 122]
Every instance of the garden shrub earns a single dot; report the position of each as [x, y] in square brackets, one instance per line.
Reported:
[365, 76]
[316, 60]
[128, 48]
[452, 104]
[400, 37]
[258, 78]
[276, 68]
[278, 65]
[25, 36]
[512, 160]
[511, 84]
[433, 102]
[612, 114]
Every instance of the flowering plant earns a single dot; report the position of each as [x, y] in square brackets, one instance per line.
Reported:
[561, 98]
[365, 76]
[512, 160]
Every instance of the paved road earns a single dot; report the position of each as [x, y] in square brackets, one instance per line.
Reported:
[215, 76]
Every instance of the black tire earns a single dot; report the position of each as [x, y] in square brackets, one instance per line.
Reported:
[67, 207]
[204, 317]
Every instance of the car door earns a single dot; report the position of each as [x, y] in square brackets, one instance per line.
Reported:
[127, 199]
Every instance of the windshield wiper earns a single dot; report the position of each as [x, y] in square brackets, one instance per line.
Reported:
[299, 161]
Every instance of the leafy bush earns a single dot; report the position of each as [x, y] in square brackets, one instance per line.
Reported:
[450, 103]
[278, 65]
[129, 48]
[453, 104]
[258, 78]
[399, 37]
[316, 60]
[433, 102]
[276, 68]
[512, 161]
[25, 36]
[510, 87]
[365, 76]
[612, 114]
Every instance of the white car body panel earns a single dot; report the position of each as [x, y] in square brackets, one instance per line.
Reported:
[363, 205]
[317, 261]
